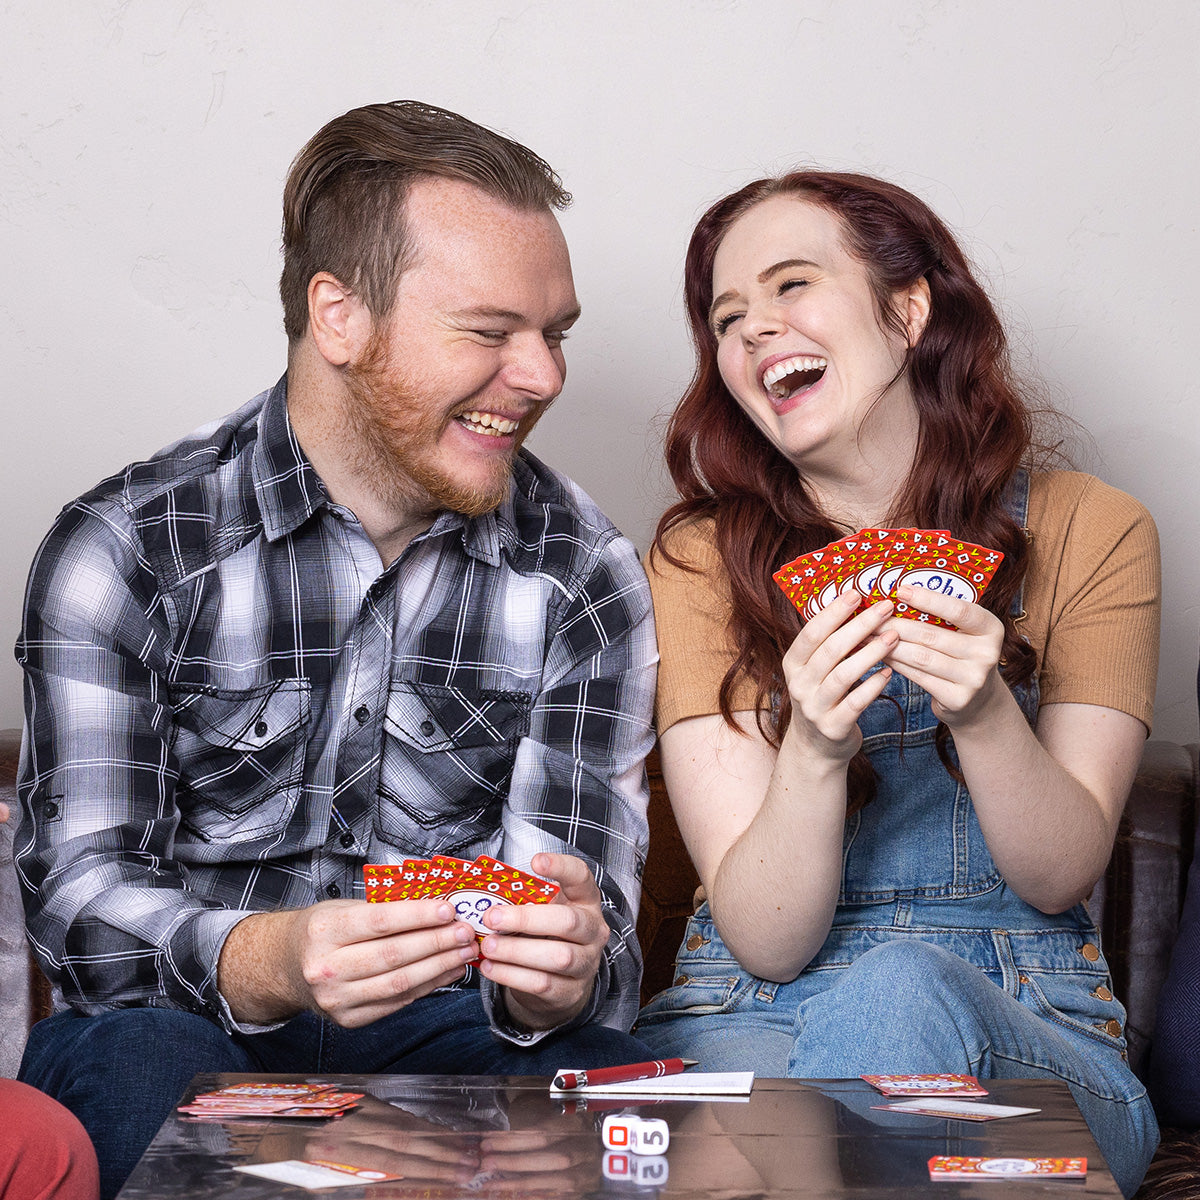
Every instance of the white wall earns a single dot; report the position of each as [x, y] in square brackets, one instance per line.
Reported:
[144, 144]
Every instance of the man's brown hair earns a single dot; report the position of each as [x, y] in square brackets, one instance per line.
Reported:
[343, 205]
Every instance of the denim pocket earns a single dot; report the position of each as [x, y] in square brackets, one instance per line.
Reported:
[707, 977]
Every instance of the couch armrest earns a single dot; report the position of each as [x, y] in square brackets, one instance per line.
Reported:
[1138, 902]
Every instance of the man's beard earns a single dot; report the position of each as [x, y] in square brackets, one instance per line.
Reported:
[396, 432]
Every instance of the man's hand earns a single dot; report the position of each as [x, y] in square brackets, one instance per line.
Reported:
[546, 956]
[346, 960]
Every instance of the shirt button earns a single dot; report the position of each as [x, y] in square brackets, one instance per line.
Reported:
[362, 714]
[1112, 1028]
[50, 809]
[1102, 993]
[333, 891]
[260, 730]
[696, 941]
[347, 839]
[427, 728]
[1090, 952]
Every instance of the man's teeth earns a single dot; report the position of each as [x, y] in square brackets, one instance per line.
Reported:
[489, 423]
[799, 365]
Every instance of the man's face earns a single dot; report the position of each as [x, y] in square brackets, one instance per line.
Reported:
[459, 372]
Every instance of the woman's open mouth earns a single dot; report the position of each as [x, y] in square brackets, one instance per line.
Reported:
[789, 377]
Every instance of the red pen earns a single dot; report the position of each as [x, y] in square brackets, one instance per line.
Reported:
[569, 1081]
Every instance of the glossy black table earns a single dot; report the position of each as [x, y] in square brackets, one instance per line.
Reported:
[480, 1136]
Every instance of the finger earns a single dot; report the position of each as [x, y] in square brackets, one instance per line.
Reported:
[569, 960]
[382, 996]
[968, 617]
[549, 989]
[840, 642]
[579, 923]
[375, 956]
[845, 675]
[571, 873]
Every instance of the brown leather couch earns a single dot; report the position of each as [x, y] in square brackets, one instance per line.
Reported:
[1136, 905]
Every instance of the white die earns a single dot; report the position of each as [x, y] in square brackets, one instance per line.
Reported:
[637, 1135]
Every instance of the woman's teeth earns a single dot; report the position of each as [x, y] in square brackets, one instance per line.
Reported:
[489, 423]
[791, 375]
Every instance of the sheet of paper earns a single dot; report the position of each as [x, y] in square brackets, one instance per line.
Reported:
[970, 1110]
[316, 1175]
[687, 1083]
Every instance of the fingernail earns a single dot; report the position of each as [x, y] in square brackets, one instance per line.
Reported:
[445, 913]
[469, 953]
[464, 934]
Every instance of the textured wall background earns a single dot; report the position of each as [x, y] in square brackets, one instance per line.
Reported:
[144, 145]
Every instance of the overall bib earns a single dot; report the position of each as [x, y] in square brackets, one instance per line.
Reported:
[932, 964]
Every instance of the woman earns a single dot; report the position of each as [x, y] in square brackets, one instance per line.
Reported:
[895, 823]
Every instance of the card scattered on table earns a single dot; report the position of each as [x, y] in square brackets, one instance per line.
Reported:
[470, 887]
[267, 1099]
[874, 562]
[317, 1173]
[926, 1085]
[957, 1110]
[944, 1166]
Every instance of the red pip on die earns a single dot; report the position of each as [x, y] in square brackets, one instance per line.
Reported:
[638, 1135]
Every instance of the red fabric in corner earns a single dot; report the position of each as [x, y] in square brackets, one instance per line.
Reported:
[45, 1153]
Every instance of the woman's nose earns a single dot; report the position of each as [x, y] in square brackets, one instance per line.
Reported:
[761, 322]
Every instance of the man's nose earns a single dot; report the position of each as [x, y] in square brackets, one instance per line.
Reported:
[535, 368]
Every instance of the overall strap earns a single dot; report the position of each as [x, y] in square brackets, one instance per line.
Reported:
[1016, 502]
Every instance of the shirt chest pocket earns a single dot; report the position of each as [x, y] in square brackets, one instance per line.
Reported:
[241, 758]
[447, 759]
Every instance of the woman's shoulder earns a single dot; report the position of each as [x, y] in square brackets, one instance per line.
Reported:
[1079, 506]
[692, 542]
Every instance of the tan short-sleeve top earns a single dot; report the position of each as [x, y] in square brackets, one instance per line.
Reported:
[1091, 596]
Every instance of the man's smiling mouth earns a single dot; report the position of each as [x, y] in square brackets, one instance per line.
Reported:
[487, 423]
[791, 376]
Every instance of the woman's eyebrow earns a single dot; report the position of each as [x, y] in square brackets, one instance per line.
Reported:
[783, 265]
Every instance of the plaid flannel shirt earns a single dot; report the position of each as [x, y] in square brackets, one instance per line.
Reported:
[230, 707]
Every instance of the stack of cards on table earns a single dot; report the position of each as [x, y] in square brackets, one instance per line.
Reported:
[947, 1166]
[267, 1099]
[874, 562]
[926, 1085]
[470, 887]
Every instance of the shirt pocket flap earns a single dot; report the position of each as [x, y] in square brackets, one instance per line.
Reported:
[247, 720]
[429, 717]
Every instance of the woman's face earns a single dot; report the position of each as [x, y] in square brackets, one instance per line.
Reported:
[800, 345]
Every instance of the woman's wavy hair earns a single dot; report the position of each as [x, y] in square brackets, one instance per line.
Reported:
[975, 431]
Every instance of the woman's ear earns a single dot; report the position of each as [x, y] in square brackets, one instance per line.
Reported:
[916, 310]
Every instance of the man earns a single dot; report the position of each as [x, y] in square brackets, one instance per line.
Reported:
[353, 622]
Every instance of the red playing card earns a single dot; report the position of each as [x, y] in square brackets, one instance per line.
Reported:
[957, 1166]
[382, 882]
[487, 882]
[926, 1085]
[949, 566]
[440, 877]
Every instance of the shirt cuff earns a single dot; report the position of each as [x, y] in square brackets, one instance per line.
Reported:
[502, 1024]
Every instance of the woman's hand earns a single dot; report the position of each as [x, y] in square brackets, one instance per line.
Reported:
[957, 667]
[823, 667]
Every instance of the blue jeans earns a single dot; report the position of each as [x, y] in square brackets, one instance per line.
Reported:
[121, 1073]
[905, 1006]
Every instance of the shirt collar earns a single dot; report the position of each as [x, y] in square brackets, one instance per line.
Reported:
[287, 488]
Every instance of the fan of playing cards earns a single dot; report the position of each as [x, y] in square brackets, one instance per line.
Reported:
[470, 887]
[874, 562]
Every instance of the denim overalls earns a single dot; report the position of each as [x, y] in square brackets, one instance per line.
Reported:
[932, 964]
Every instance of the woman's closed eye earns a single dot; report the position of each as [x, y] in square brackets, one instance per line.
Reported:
[722, 324]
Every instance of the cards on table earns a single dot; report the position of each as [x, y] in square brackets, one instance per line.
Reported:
[956, 1110]
[268, 1099]
[926, 1085]
[874, 562]
[950, 1166]
[470, 887]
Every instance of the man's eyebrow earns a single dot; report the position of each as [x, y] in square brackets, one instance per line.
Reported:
[486, 312]
[783, 265]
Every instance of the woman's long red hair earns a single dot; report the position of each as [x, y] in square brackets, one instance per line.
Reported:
[975, 431]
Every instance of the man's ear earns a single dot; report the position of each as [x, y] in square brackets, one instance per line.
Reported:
[917, 305]
[338, 321]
